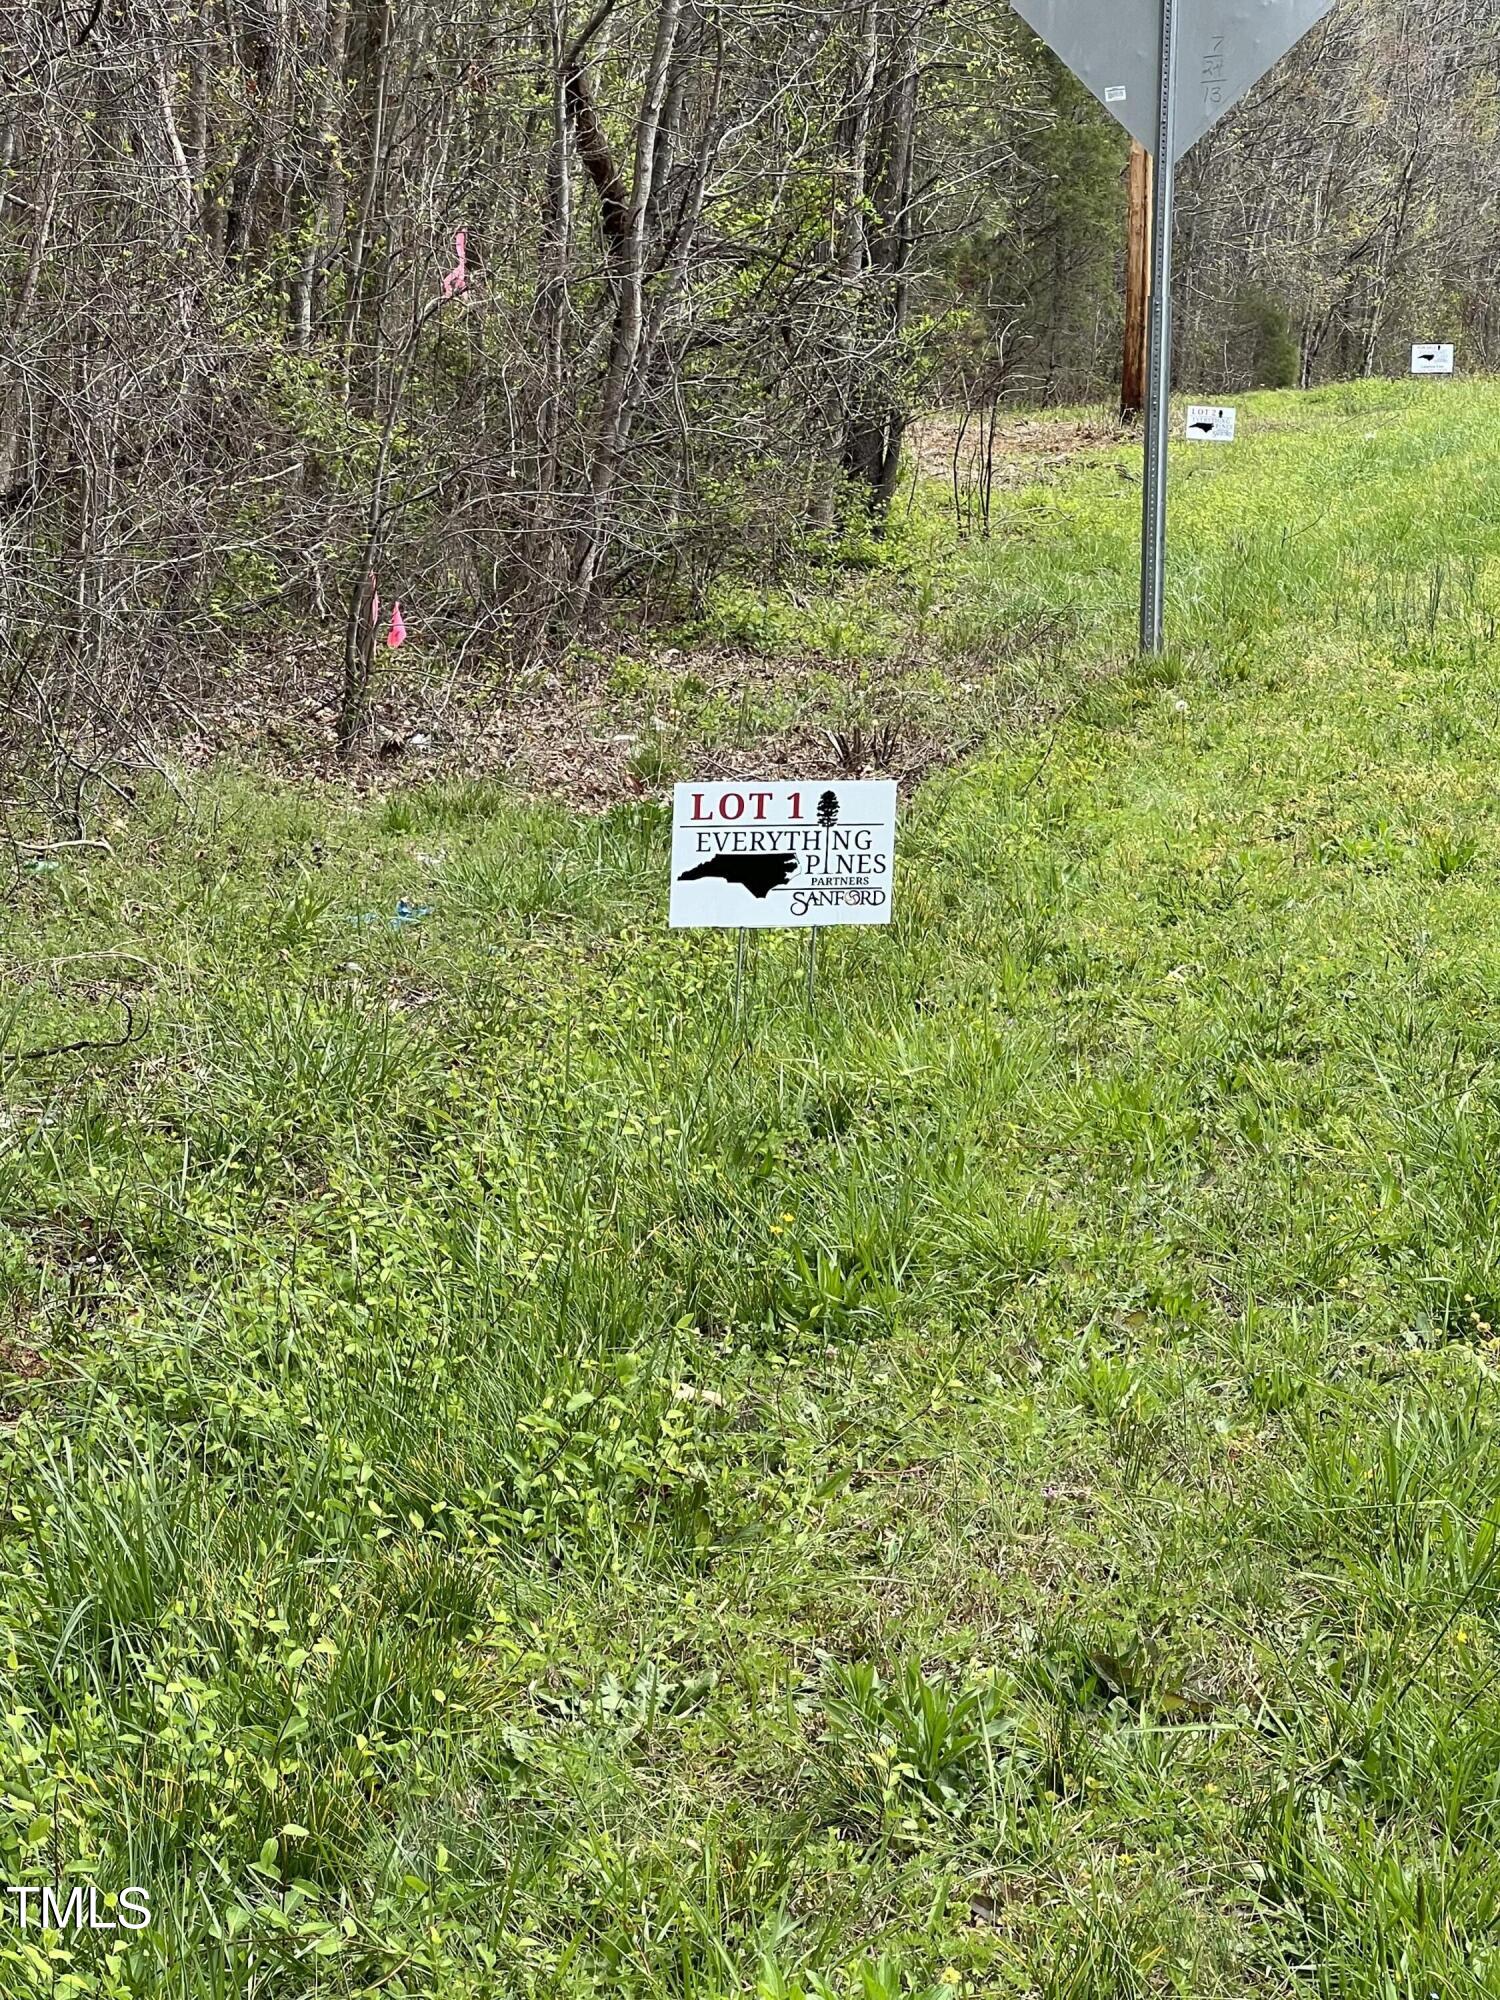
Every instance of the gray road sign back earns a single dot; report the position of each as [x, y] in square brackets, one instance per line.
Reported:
[1224, 47]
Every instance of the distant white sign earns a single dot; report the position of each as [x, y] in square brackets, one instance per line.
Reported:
[1210, 424]
[778, 856]
[1432, 359]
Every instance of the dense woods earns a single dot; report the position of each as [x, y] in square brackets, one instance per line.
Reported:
[519, 313]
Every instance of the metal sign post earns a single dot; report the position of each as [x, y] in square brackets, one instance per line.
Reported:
[1159, 389]
[1168, 70]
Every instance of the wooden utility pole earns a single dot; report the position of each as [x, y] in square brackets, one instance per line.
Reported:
[1137, 286]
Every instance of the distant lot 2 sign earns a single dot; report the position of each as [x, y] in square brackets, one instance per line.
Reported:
[1432, 359]
[1211, 425]
[779, 856]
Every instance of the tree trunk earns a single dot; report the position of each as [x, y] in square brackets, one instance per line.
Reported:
[873, 453]
[315, 207]
[850, 261]
[544, 551]
[630, 312]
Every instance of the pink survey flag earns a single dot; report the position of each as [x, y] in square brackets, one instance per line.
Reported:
[397, 634]
[457, 279]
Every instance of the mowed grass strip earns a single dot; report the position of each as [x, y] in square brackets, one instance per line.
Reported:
[512, 1488]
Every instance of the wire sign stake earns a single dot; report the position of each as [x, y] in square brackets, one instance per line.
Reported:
[739, 973]
[1168, 70]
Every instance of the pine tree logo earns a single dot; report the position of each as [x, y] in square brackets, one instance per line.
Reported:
[828, 809]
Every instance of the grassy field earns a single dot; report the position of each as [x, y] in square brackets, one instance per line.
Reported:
[511, 1488]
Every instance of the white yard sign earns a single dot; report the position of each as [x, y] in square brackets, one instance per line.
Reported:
[1432, 359]
[777, 856]
[1210, 424]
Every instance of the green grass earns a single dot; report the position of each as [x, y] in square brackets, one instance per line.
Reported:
[509, 1490]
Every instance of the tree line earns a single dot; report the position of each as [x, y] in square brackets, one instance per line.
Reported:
[520, 311]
